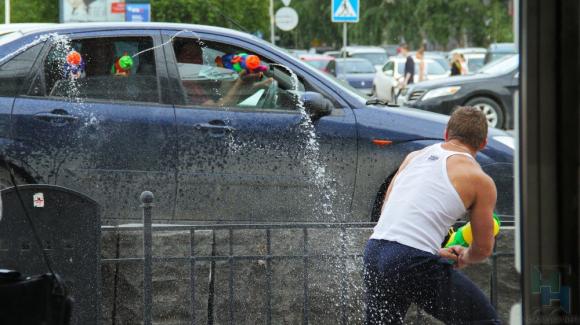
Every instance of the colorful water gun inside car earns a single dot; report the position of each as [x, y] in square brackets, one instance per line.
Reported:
[241, 61]
[74, 66]
[122, 66]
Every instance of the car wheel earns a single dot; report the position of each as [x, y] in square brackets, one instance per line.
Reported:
[492, 110]
[393, 98]
[5, 180]
[374, 92]
[378, 204]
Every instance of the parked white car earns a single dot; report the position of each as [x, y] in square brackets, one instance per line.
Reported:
[387, 81]
[376, 55]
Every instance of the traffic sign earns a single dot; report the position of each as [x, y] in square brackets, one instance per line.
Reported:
[286, 18]
[345, 11]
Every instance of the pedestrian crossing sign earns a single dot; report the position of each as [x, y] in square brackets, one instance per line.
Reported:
[345, 11]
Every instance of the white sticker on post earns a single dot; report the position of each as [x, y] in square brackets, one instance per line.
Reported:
[38, 200]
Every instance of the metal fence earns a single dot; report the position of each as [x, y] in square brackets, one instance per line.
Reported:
[305, 257]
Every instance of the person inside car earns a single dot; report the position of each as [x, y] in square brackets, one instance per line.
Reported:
[199, 92]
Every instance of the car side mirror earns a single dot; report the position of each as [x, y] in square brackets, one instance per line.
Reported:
[316, 105]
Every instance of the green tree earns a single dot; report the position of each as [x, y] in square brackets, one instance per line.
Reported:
[247, 15]
[32, 11]
[442, 23]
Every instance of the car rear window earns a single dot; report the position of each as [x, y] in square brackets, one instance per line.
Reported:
[15, 71]
[101, 75]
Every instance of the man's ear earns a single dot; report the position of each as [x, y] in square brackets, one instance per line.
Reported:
[483, 144]
[446, 135]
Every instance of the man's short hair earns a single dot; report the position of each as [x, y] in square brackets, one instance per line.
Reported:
[404, 46]
[468, 125]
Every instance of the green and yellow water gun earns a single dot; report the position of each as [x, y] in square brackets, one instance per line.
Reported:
[464, 237]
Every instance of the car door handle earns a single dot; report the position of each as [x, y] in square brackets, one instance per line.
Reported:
[56, 116]
[212, 127]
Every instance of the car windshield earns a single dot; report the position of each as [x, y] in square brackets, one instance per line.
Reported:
[318, 64]
[498, 55]
[374, 58]
[357, 66]
[501, 66]
[474, 64]
[433, 68]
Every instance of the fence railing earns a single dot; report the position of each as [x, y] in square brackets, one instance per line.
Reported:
[268, 257]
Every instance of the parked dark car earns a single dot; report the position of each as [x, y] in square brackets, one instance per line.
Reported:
[359, 73]
[297, 147]
[491, 89]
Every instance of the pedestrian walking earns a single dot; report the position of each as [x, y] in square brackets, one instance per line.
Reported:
[409, 72]
[456, 67]
[464, 68]
[403, 260]
[421, 64]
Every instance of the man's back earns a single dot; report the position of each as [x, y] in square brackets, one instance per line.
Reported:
[423, 202]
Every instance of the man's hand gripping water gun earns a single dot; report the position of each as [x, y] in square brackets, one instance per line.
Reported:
[461, 239]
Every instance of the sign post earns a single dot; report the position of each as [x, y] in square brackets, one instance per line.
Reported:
[345, 11]
[286, 18]
[7, 11]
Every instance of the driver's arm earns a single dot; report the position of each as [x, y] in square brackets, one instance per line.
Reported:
[233, 93]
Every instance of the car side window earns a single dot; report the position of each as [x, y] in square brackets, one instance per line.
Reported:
[221, 75]
[389, 68]
[110, 69]
[15, 70]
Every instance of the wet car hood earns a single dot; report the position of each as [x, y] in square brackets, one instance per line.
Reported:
[403, 124]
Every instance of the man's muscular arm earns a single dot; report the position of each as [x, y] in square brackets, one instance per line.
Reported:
[481, 221]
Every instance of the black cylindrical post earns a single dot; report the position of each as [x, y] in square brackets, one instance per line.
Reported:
[147, 205]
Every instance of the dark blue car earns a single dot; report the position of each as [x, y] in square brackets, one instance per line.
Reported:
[286, 144]
[358, 73]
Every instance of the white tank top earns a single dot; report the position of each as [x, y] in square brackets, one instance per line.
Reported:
[423, 204]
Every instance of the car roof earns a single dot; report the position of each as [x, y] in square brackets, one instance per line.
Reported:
[400, 59]
[343, 60]
[80, 27]
[428, 54]
[315, 57]
[503, 47]
[7, 28]
[364, 49]
[466, 50]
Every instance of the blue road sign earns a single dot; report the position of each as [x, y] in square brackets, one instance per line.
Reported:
[345, 11]
[137, 12]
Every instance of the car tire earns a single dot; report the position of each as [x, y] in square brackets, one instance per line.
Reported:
[492, 110]
[378, 203]
[5, 180]
[374, 91]
[393, 98]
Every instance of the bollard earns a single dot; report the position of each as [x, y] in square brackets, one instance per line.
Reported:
[147, 205]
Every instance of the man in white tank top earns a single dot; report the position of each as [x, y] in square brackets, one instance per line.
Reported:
[404, 261]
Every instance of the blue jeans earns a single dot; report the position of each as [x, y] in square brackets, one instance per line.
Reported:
[397, 275]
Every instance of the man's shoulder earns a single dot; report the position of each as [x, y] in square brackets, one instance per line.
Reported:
[468, 168]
